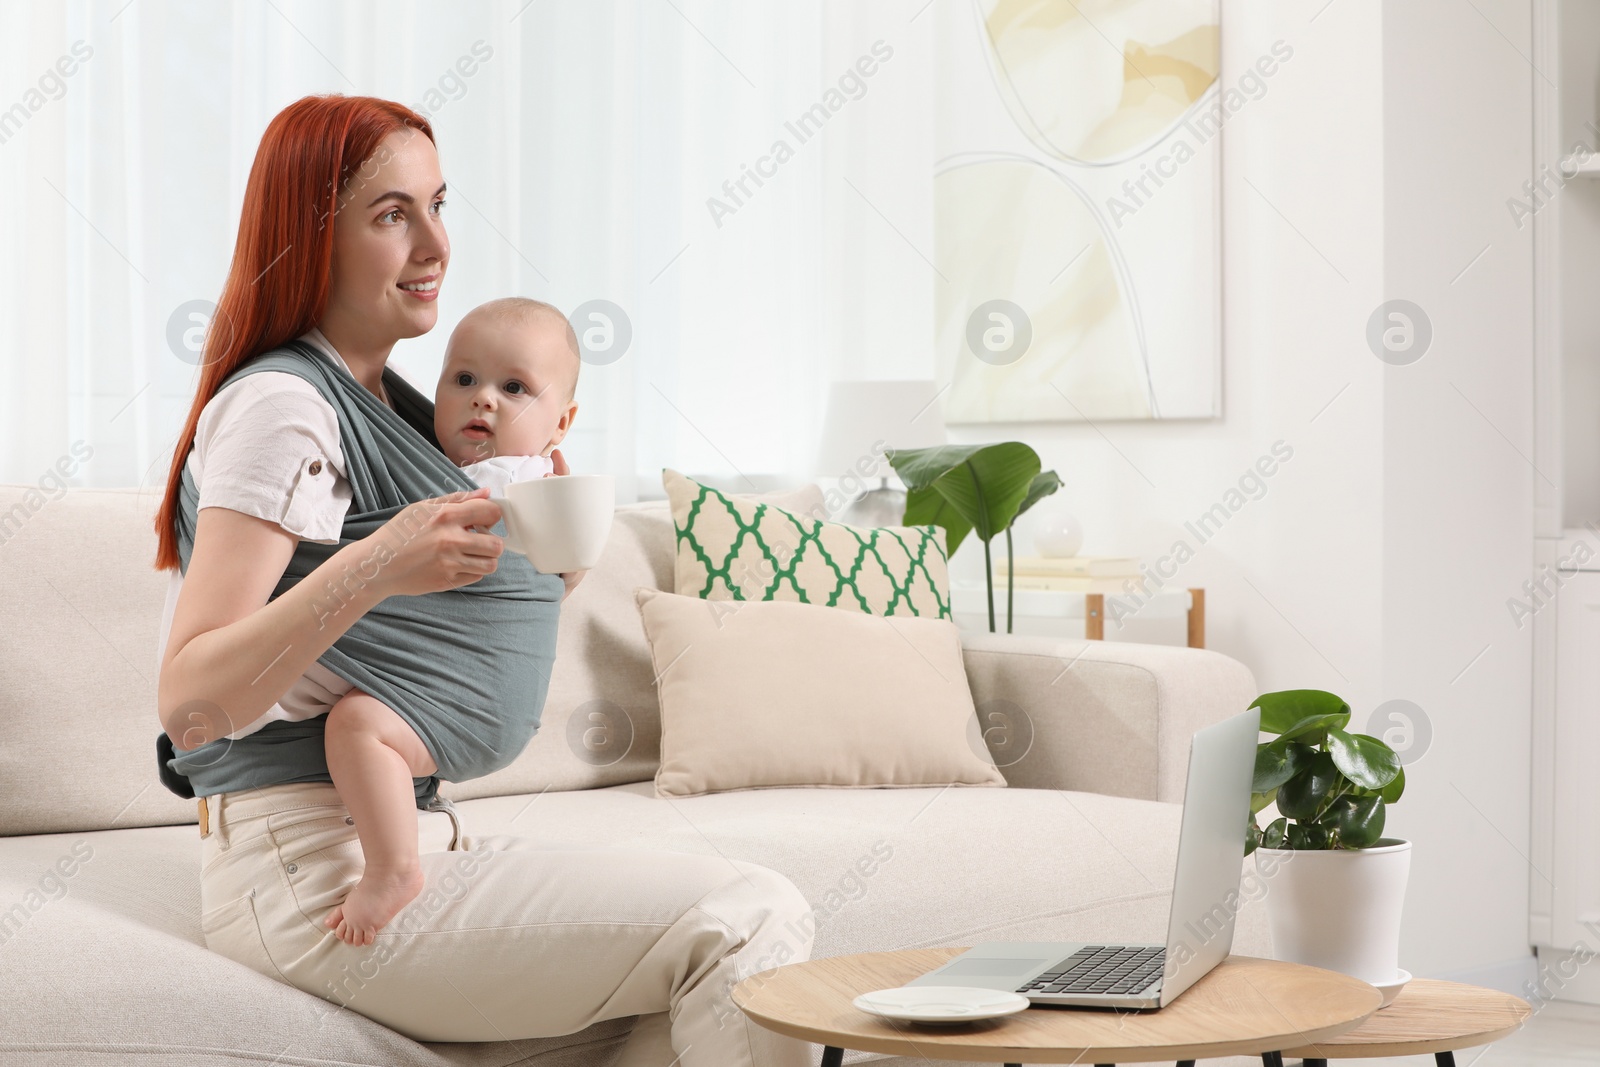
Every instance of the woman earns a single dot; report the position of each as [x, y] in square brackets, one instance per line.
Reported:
[274, 510]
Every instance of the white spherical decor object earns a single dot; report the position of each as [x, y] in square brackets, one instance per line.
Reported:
[1059, 534]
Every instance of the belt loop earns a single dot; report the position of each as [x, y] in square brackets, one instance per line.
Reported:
[219, 818]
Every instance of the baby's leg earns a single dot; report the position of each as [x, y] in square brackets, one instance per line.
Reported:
[372, 757]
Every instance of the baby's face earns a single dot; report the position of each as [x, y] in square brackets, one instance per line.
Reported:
[503, 389]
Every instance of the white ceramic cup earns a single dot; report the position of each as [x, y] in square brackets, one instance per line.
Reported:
[561, 522]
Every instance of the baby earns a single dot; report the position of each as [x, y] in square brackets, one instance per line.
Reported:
[504, 401]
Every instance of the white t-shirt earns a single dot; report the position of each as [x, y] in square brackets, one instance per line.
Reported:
[261, 437]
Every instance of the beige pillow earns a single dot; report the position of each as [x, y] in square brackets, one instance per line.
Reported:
[762, 694]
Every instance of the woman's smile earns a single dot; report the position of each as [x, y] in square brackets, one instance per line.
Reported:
[425, 288]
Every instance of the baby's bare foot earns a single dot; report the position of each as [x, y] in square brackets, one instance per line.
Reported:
[375, 899]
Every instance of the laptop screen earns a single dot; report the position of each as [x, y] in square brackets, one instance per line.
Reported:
[1205, 889]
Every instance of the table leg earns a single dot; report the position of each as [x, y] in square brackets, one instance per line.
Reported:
[1197, 618]
[1272, 1059]
[1185, 1063]
[1445, 1059]
[1313, 1063]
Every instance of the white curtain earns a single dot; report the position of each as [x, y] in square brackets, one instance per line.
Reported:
[581, 152]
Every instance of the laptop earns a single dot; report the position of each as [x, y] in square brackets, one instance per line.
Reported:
[1205, 900]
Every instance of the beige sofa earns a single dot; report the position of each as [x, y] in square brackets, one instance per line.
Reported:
[101, 956]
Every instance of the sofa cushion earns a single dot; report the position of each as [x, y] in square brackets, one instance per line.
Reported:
[910, 868]
[82, 601]
[758, 694]
[739, 549]
[111, 967]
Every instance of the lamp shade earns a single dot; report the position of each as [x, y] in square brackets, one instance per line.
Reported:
[901, 414]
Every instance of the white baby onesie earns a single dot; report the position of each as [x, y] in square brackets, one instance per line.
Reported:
[497, 472]
[319, 689]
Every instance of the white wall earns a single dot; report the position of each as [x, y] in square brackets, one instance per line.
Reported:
[1377, 563]
[1458, 483]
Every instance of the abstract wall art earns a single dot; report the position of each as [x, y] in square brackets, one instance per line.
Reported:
[1077, 217]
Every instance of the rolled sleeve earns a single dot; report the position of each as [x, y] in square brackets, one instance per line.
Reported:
[268, 445]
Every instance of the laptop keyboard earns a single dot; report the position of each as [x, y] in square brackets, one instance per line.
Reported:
[1110, 969]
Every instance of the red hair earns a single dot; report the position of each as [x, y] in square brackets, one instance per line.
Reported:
[279, 279]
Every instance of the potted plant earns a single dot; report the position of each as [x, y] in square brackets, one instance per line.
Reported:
[973, 489]
[1335, 884]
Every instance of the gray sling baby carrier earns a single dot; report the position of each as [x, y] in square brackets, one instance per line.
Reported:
[467, 668]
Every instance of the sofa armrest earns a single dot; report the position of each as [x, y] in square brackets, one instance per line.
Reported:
[1098, 717]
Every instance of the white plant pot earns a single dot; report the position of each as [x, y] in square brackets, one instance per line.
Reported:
[1340, 908]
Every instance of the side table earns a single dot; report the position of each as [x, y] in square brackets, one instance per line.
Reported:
[1245, 1006]
[1051, 612]
[1427, 1016]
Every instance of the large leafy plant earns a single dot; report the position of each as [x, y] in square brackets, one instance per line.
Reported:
[1331, 786]
[977, 489]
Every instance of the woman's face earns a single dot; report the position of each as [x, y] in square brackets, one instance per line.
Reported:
[389, 246]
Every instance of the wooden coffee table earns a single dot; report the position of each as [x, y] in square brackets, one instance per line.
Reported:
[1245, 1006]
[1427, 1016]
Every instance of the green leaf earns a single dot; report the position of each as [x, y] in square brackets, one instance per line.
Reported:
[1276, 833]
[1042, 486]
[926, 507]
[1277, 762]
[1364, 759]
[919, 468]
[984, 484]
[1358, 821]
[1307, 793]
[1295, 713]
[1391, 792]
[1261, 800]
[1252, 835]
[1309, 836]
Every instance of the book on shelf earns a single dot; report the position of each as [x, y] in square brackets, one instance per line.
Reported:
[1071, 567]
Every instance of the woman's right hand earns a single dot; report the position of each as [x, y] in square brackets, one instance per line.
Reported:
[431, 545]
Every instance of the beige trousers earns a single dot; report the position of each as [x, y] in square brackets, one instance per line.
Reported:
[509, 938]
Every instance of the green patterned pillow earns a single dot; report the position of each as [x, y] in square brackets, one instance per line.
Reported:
[737, 549]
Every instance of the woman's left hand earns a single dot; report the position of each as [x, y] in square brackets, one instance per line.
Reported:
[559, 464]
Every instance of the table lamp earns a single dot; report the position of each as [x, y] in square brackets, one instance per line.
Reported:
[901, 414]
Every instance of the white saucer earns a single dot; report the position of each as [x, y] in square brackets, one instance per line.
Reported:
[1391, 989]
[940, 1003]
